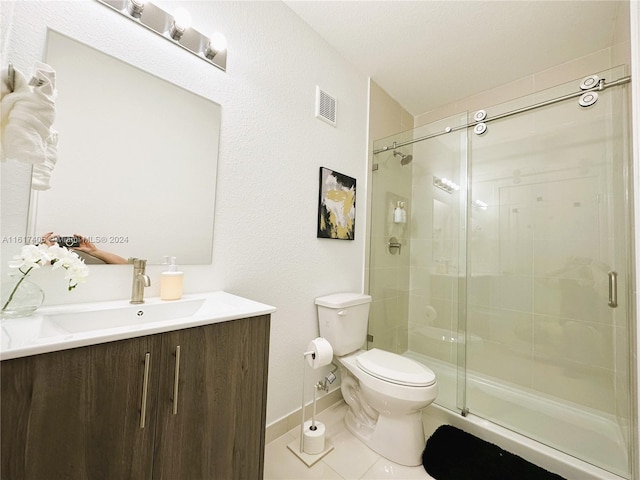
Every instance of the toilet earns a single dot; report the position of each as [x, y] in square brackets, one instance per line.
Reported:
[385, 392]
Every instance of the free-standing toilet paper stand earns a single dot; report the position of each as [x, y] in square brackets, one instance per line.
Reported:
[313, 445]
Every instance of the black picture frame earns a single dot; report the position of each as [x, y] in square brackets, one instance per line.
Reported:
[336, 205]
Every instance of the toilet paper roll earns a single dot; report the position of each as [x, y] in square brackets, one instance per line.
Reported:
[313, 442]
[322, 353]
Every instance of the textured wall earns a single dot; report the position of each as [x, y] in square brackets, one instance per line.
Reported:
[271, 148]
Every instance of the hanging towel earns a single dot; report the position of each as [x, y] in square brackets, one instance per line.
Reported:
[8, 97]
[27, 115]
[41, 172]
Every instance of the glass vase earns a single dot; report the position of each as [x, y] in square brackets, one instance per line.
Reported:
[20, 297]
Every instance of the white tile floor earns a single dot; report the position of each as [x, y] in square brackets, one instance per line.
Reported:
[349, 460]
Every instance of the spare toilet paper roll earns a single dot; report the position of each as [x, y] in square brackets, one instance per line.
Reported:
[322, 353]
[313, 439]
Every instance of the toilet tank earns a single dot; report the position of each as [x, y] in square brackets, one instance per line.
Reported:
[342, 319]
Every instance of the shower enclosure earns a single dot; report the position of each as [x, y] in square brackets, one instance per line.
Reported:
[511, 275]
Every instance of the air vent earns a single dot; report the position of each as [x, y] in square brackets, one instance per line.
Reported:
[325, 107]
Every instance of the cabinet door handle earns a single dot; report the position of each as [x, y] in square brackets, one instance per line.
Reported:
[176, 379]
[145, 388]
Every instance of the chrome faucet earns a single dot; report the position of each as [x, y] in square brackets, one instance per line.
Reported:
[140, 280]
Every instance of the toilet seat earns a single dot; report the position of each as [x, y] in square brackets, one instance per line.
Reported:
[395, 368]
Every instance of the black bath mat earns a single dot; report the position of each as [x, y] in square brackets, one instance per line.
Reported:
[451, 454]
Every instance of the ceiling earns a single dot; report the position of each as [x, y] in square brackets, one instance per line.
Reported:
[429, 53]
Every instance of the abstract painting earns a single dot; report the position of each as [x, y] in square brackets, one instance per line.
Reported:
[337, 205]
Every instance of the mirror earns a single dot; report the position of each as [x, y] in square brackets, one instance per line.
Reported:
[137, 159]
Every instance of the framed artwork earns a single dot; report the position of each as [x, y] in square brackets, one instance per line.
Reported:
[336, 205]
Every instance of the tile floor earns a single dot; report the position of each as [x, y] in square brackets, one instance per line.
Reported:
[349, 460]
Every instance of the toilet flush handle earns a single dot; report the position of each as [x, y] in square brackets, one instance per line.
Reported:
[342, 313]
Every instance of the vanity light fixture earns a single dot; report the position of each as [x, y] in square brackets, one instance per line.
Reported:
[480, 204]
[445, 184]
[176, 28]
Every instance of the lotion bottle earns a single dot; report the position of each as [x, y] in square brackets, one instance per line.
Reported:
[171, 282]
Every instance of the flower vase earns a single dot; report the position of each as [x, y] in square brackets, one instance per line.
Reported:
[20, 297]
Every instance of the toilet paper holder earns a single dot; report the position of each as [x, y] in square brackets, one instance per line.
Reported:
[319, 353]
[313, 427]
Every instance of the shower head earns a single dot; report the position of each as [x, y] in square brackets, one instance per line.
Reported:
[404, 159]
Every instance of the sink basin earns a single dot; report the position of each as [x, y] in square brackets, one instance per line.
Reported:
[65, 323]
[60, 327]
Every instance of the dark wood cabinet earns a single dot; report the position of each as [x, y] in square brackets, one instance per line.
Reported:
[219, 411]
[76, 414]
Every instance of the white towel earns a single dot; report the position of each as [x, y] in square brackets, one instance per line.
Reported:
[27, 115]
[41, 172]
[7, 99]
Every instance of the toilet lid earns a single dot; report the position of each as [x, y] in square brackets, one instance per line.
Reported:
[395, 368]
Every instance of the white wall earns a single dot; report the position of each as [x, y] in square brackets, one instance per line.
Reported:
[271, 147]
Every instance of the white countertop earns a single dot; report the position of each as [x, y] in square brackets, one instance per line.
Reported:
[21, 337]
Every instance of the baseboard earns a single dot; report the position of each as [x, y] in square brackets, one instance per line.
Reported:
[291, 421]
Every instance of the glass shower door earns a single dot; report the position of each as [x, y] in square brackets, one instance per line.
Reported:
[548, 241]
[416, 285]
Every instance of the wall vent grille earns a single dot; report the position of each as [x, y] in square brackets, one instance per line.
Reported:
[325, 107]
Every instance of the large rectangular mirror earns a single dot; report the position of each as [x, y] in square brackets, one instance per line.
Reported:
[137, 159]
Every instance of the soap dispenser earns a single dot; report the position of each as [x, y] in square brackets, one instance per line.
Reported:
[404, 212]
[399, 213]
[171, 282]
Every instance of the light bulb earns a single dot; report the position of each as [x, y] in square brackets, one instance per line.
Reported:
[181, 21]
[217, 43]
[135, 7]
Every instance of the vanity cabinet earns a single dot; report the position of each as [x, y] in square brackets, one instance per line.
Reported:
[75, 414]
[115, 411]
[216, 428]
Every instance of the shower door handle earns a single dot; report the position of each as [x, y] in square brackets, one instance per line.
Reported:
[613, 289]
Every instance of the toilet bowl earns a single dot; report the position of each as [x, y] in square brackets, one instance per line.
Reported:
[385, 404]
[385, 392]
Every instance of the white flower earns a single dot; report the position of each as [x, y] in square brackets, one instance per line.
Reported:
[77, 272]
[36, 256]
[31, 256]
